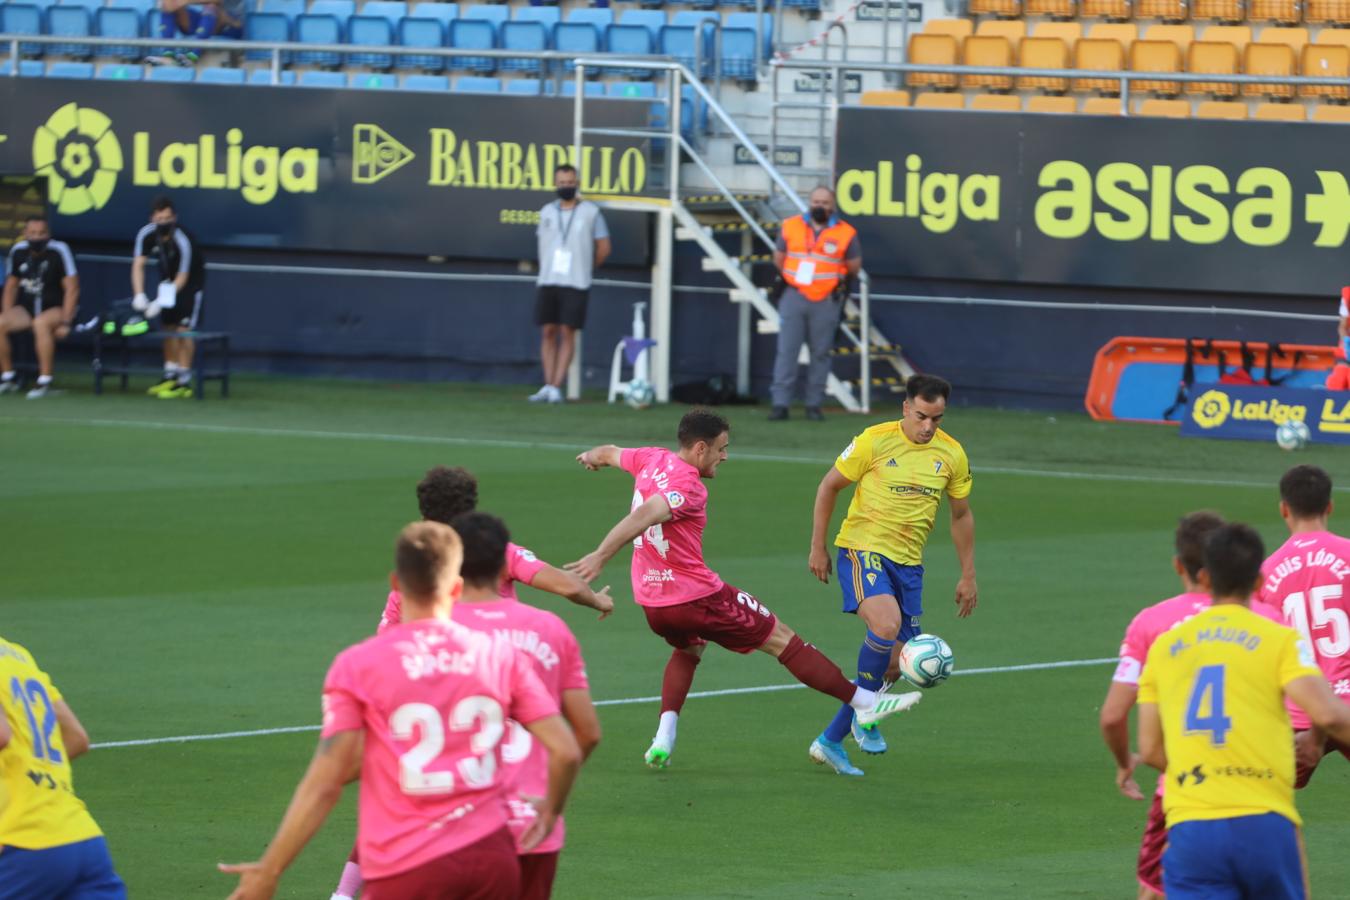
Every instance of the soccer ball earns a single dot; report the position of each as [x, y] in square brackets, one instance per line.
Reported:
[926, 661]
[1292, 435]
[639, 394]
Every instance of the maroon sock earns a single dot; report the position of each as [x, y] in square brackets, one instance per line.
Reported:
[356, 855]
[677, 680]
[814, 669]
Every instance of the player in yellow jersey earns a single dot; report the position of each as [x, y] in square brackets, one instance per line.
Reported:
[901, 469]
[1212, 717]
[50, 847]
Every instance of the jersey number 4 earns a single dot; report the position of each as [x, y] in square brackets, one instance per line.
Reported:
[1306, 612]
[30, 693]
[478, 770]
[1205, 708]
[652, 535]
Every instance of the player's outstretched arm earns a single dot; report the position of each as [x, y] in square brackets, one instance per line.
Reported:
[963, 537]
[336, 762]
[1115, 725]
[654, 511]
[1151, 748]
[564, 761]
[599, 457]
[73, 734]
[1325, 709]
[565, 584]
[827, 495]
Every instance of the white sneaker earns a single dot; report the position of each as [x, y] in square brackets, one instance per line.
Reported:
[887, 705]
[658, 755]
[9, 386]
[554, 395]
[40, 391]
[542, 395]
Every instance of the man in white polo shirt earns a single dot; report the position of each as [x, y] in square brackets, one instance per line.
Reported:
[573, 241]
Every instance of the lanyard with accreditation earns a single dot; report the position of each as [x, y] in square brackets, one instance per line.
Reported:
[562, 257]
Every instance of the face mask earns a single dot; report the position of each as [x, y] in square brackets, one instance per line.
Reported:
[37, 246]
[164, 228]
[820, 215]
[567, 193]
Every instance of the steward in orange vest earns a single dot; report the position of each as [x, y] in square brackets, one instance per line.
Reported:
[814, 263]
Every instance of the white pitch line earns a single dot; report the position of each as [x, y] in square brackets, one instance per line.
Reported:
[554, 445]
[625, 701]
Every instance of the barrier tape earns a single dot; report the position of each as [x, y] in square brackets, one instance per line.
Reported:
[819, 39]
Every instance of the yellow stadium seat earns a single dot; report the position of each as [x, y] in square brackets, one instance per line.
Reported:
[996, 102]
[1051, 105]
[1057, 9]
[1281, 112]
[1005, 9]
[885, 98]
[1268, 59]
[1124, 32]
[940, 101]
[1155, 56]
[1181, 35]
[957, 28]
[1218, 10]
[1165, 109]
[1167, 10]
[932, 49]
[1284, 12]
[1068, 32]
[1012, 29]
[987, 50]
[1338, 36]
[1104, 9]
[1325, 112]
[1102, 55]
[1316, 12]
[1044, 53]
[1212, 58]
[1101, 106]
[1325, 61]
[1295, 38]
[1221, 109]
[1237, 35]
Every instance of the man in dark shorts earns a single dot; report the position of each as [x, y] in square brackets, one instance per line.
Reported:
[573, 242]
[686, 602]
[42, 291]
[178, 297]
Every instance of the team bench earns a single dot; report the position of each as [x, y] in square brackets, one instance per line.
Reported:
[204, 369]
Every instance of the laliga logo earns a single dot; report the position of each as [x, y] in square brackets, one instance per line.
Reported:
[80, 156]
[1212, 409]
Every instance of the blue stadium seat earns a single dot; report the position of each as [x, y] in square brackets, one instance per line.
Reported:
[320, 28]
[177, 74]
[291, 9]
[22, 18]
[393, 10]
[320, 79]
[426, 83]
[28, 68]
[477, 84]
[738, 45]
[747, 20]
[473, 34]
[220, 75]
[630, 40]
[651, 19]
[532, 87]
[600, 18]
[69, 21]
[444, 13]
[494, 13]
[120, 72]
[370, 31]
[679, 38]
[113, 22]
[579, 38]
[805, 5]
[90, 5]
[593, 88]
[628, 90]
[274, 27]
[417, 31]
[518, 35]
[80, 70]
[373, 81]
[548, 16]
[263, 78]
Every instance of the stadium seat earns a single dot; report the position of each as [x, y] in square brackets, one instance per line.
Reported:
[1218, 10]
[747, 22]
[175, 74]
[1113, 10]
[372, 81]
[322, 79]
[936, 50]
[273, 27]
[1044, 53]
[22, 18]
[28, 68]
[445, 13]
[1216, 58]
[527, 36]
[220, 75]
[390, 10]
[957, 28]
[497, 14]
[79, 70]
[1068, 32]
[809, 6]
[1220, 109]
[1166, 10]
[631, 90]
[593, 88]
[90, 5]
[987, 50]
[1102, 54]
[291, 9]
[996, 102]
[1325, 112]
[263, 78]
[1057, 9]
[370, 31]
[477, 84]
[118, 23]
[1165, 109]
[472, 34]
[421, 31]
[1269, 59]
[940, 100]
[1282, 12]
[600, 18]
[1012, 29]
[738, 54]
[70, 21]
[1101, 106]
[1004, 9]
[325, 23]
[1325, 61]
[884, 98]
[425, 83]
[689, 34]
[1326, 12]
[1181, 35]
[120, 72]
[531, 87]
[1155, 56]
[1280, 112]
[1295, 38]
[1056, 105]
[1237, 35]
[1125, 33]
[651, 19]
[548, 16]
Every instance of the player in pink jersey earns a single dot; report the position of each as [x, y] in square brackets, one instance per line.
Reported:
[684, 601]
[556, 657]
[1308, 579]
[418, 713]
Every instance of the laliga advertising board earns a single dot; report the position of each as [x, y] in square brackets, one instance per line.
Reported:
[372, 171]
[1254, 413]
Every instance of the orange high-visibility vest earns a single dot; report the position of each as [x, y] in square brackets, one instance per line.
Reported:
[825, 251]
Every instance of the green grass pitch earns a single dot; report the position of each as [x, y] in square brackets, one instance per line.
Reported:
[191, 568]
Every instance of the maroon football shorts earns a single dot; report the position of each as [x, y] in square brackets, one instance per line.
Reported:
[1303, 774]
[537, 871]
[486, 870]
[1149, 868]
[730, 617]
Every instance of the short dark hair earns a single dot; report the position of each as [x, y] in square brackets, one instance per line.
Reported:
[1233, 557]
[565, 167]
[1193, 533]
[160, 203]
[484, 538]
[1307, 490]
[36, 217]
[444, 493]
[927, 387]
[701, 424]
[427, 555]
